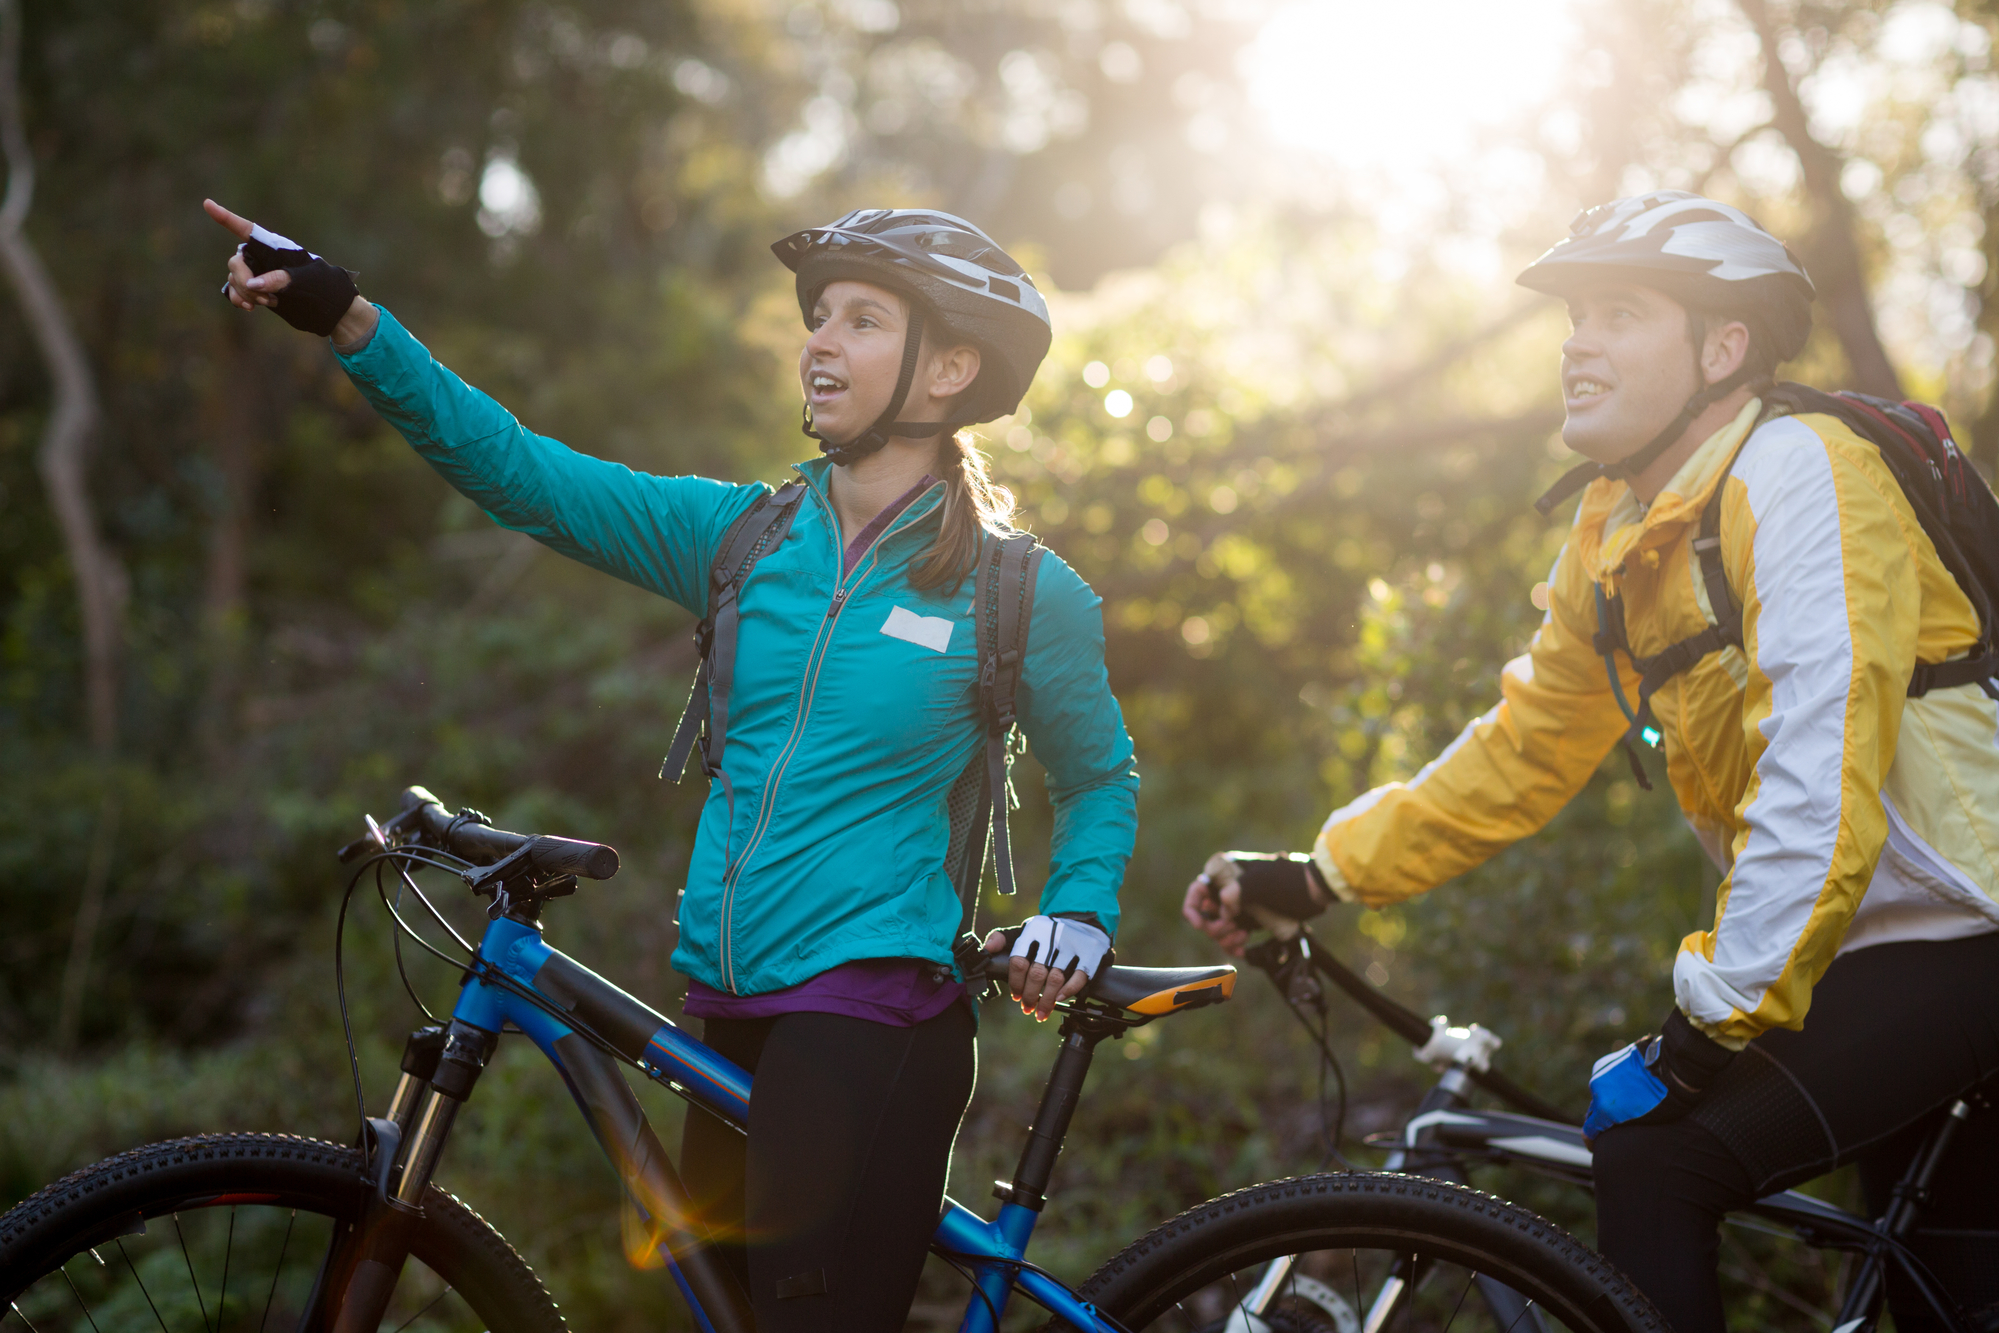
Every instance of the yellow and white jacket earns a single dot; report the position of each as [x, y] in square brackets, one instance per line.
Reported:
[1843, 812]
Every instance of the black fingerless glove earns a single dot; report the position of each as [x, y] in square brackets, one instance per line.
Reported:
[319, 293]
[1688, 1063]
[1282, 882]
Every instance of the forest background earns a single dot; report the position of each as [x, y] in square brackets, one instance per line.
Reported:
[1290, 429]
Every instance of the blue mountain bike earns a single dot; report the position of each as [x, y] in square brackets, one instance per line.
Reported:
[249, 1233]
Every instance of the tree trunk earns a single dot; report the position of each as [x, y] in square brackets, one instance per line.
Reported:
[74, 417]
[236, 425]
[1831, 254]
[100, 581]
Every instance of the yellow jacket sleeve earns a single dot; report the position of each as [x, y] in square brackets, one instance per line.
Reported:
[1505, 775]
[1818, 543]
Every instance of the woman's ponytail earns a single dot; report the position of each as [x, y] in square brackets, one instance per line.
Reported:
[973, 504]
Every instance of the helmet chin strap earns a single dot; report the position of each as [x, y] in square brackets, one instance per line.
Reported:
[872, 439]
[1630, 466]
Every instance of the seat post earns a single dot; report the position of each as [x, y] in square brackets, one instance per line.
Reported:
[1080, 1034]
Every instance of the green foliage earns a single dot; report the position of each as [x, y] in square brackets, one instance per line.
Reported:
[1308, 518]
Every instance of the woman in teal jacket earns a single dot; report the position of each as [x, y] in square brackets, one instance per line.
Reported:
[818, 918]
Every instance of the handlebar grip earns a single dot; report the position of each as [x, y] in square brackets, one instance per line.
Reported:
[567, 856]
[483, 845]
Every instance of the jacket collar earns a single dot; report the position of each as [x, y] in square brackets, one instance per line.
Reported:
[817, 474]
[1612, 528]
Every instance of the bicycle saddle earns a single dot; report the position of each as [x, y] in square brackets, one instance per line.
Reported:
[1163, 990]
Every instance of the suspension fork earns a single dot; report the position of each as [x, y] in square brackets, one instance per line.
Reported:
[1511, 1310]
[365, 1260]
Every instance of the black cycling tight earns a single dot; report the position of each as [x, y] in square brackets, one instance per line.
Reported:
[838, 1184]
[1896, 1033]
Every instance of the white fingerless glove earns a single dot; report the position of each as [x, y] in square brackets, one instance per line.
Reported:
[1062, 944]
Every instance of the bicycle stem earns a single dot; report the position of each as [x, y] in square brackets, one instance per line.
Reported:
[1411, 1027]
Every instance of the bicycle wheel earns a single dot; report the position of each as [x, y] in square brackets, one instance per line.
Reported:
[1367, 1252]
[225, 1233]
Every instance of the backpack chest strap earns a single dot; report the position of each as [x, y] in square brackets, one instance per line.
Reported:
[1670, 661]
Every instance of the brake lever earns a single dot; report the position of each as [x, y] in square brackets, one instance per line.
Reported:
[375, 838]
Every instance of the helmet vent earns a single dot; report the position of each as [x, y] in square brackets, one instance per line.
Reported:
[1001, 287]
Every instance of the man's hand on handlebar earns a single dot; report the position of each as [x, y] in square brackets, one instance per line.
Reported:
[1075, 948]
[1213, 901]
[1237, 891]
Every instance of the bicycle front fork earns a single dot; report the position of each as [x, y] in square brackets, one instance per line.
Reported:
[1508, 1308]
[365, 1259]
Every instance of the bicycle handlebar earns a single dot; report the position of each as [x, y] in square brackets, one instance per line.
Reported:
[482, 844]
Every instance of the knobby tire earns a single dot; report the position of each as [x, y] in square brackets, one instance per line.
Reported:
[102, 1204]
[1368, 1211]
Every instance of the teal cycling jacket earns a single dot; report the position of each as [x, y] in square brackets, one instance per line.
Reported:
[855, 705]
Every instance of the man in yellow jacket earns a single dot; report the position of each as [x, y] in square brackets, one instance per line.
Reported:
[1854, 953]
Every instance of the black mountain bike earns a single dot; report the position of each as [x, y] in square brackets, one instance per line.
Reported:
[255, 1233]
[1447, 1136]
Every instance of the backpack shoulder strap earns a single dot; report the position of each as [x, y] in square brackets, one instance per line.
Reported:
[1670, 661]
[1707, 550]
[1004, 597]
[760, 530]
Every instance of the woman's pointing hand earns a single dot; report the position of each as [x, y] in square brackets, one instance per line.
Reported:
[324, 299]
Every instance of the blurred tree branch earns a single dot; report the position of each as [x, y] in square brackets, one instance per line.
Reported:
[73, 420]
[1455, 430]
[1724, 154]
[1452, 352]
[1983, 441]
[1832, 252]
[237, 426]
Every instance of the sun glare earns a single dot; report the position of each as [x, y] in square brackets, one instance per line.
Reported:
[1400, 87]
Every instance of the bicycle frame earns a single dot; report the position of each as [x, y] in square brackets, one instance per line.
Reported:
[1446, 1133]
[585, 1025]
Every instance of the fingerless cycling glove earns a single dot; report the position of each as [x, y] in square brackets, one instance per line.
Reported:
[1283, 882]
[1062, 944]
[319, 293]
[1654, 1079]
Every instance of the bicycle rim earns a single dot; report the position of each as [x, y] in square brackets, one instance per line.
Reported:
[1364, 1253]
[227, 1234]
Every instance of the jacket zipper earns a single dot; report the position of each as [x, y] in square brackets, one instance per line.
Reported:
[808, 686]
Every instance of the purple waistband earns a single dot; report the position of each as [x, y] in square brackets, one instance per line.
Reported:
[900, 992]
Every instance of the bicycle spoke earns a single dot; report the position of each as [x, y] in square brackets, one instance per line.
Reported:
[222, 1301]
[193, 1281]
[134, 1271]
[1525, 1310]
[282, 1247]
[424, 1311]
[16, 1308]
[64, 1270]
[1470, 1278]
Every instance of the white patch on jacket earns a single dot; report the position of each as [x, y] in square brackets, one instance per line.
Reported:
[932, 632]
